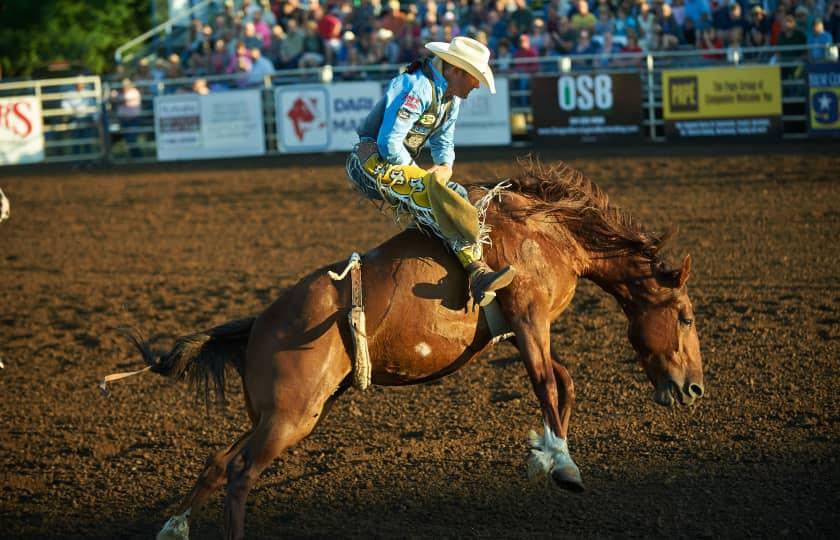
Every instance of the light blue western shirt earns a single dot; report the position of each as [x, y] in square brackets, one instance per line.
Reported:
[408, 96]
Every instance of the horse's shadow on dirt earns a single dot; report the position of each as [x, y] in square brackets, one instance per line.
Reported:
[657, 502]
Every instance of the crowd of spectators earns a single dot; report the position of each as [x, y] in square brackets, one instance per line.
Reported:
[249, 39]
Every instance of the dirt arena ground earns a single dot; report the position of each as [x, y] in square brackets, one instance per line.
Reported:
[176, 248]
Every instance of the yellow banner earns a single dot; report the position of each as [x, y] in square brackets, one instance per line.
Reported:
[730, 92]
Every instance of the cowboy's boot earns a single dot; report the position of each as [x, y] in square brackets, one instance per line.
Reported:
[484, 281]
[458, 220]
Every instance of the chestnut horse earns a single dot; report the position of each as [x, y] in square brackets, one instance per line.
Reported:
[552, 224]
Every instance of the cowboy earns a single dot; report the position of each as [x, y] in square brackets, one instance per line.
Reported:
[421, 106]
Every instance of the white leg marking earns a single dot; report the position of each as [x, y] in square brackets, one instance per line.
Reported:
[177, 528]
[4, 207]
[423, 349]
[547, 453]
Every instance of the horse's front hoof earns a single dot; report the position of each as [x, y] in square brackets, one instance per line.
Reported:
[177, 528]
[568, 477]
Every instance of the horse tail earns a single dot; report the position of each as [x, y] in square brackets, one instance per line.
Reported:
[201, 357]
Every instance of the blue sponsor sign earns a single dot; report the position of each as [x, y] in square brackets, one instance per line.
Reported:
[824, 100]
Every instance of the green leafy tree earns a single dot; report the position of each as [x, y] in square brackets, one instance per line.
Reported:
[38, 32]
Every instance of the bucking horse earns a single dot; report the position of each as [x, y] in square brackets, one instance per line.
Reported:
[297, 357]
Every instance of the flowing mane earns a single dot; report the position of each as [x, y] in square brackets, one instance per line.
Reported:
[566, 195]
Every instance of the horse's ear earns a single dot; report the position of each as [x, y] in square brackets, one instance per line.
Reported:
[685, 271]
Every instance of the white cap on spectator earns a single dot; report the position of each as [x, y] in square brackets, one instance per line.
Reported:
[468, 54]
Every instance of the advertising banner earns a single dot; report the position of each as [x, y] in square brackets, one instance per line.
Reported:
[220, 125]
[729, 101]
[21, 130]
[823, 99]
[484, 119]
[322, 118]
[587, 106]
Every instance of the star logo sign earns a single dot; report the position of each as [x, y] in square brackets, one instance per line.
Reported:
[824, 106]
[824, 102]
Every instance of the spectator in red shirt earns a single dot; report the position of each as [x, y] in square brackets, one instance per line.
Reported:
[524, 52]
[709, 39]
[393, 18]
[778, 24]
[330, 25]
[329, 29]
[632, 46]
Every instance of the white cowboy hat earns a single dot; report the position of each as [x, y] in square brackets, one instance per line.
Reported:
[469, 55]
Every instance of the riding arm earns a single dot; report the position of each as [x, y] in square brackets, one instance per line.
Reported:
[407, 97]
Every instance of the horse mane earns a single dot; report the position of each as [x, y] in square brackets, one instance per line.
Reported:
[564, 194]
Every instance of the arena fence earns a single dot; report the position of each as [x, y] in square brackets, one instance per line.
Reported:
[95, 131]
[52, 120]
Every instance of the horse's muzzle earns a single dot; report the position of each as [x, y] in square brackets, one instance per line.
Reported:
[669, 392]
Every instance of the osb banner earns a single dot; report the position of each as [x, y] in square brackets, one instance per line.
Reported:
[587, 106]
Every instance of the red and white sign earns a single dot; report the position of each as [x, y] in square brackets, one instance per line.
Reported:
[21, 130]
[302, 118]
[323, 118]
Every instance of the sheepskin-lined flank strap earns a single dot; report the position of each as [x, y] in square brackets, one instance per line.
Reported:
[356, 318]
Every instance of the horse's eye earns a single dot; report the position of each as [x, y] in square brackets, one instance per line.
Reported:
[685, 321]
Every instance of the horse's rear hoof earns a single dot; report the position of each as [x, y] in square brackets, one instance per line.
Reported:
[568, 478]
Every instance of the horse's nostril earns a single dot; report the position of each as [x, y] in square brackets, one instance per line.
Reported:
[695, 390]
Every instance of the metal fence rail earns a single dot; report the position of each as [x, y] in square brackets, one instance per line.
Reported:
[71, 109]
[124, 52]
[97, 131]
